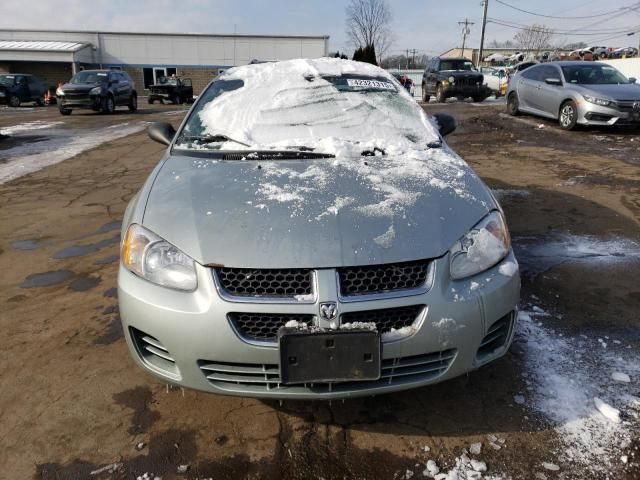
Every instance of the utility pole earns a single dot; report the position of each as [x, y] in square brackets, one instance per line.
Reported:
[407, 59]
[413, 57]
[465, 31]
[484, 26]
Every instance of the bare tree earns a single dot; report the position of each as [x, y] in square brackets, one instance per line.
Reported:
[534, 39]
[368, 24]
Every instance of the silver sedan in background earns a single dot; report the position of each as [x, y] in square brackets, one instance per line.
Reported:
[585, 93]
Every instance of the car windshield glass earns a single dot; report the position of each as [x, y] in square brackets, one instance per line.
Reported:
[593, 75]
[89, 77]
[446, 65]
[270, 106]
[7, 80]
[168, 80]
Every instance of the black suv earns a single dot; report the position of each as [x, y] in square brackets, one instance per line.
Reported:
[16, 88]
[174, 89]
[99, 90]
[453, 77]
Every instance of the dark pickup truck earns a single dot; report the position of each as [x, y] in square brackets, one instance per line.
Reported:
[453, 77]
[176, 90]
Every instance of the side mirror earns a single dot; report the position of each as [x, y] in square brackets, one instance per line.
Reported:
[161, 132]
[633, 79]
[553, 81]
[446, 123]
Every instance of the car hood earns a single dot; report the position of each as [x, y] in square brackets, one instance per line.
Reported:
[315, 213]
[629, 91]
[80, 87]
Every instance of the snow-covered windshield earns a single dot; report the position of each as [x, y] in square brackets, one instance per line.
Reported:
[321, 104]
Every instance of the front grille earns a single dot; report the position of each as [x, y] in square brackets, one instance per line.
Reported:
[626, 105]
[496, 337]
[153, 352]
[264, 326]
[385, 319]
[276, 283]
[76, 95]
[257, 378]
[375, 279]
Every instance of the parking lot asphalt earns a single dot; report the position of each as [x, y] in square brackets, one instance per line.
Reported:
[74, 405]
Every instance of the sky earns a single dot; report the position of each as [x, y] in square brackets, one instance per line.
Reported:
[429, 26]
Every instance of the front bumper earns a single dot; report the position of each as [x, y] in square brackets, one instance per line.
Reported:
[455, 90]
[592, 114]
[183, 338]
[79, 101]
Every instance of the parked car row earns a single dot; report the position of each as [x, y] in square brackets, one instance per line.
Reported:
[98, 90]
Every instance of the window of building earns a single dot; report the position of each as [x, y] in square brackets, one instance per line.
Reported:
[152, 74]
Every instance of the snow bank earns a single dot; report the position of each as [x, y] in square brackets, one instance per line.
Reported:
[24, 127]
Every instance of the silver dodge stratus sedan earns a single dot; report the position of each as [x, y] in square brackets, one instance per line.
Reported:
[309, 234]
[576, 93]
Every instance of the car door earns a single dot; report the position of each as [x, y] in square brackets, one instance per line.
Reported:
[22, 89]
[549, 96]
[527, 88]
[124, 89]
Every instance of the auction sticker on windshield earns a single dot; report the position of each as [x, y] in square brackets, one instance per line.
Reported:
[355, 82]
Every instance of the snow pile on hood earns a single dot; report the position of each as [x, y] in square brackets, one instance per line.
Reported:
[289, 103]
[571, 382]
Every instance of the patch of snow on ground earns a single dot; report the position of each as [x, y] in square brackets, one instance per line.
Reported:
[24, 159]
[24, 127]
[570, 383]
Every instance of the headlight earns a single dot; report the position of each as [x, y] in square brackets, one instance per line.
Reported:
[59, 92]
[96, 91]
[598, 101]
[156, 260]
[485, 245]
[452, 79]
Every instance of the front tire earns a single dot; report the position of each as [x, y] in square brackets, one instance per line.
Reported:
[568, 117]
[425, 95]
[14, 101]
[64, 111]
[133, 103]
[440, 95]
[513, 105]
[150, 100]
[108, 105]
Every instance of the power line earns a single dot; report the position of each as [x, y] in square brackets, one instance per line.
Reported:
[603, 14]
[590, 33]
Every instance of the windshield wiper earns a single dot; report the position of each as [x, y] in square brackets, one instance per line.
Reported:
[217, 138]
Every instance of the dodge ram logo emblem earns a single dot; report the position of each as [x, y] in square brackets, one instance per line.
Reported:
[636, 106]
[328, 310]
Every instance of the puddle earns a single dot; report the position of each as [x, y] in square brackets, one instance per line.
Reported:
[112, 334]
[109, 227]
[80, 250]
[30, 244]
[107, 260]
[537, 254]
[46, 279]
[111, 293]
[82, 284]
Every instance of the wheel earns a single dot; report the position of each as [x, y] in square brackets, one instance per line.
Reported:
[150, 100]
[513, 105]
[480, 99]
[425, 96]
[133, 103]
[176, 99]
[65, 111]
[568, 115]
[440, 95]
[108, 105]
[14, 101]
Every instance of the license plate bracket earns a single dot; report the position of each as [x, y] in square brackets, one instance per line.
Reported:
[345, 356]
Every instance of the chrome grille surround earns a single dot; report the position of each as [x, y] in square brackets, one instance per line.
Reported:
[384, 281]
[285, 285]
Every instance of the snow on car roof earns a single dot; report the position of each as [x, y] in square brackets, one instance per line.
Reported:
[292, 103]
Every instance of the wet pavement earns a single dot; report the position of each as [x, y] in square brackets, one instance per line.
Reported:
[572, 202]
